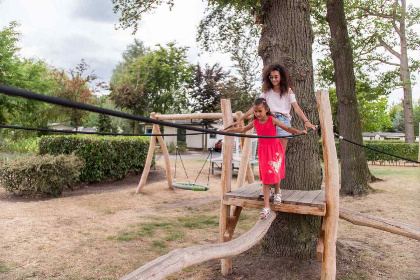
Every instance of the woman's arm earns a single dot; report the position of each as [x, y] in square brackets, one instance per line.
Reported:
[287, 128]
[240, 129]
[300, 113]
[244, 116]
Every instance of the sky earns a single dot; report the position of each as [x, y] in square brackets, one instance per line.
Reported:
[62, 32]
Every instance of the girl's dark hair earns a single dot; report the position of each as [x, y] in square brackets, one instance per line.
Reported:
[285, 80]
[262, 101]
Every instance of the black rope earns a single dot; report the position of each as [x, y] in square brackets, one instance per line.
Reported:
[78, 105]
[185, 170]
[89, 132]
[376, 150]
[203, 166]
[208, 174]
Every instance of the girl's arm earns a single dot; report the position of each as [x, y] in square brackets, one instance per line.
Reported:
[287, 128]
[240, 129]
[301, 114]
[244, 116]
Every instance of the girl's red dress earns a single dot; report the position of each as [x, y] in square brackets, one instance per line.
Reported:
[270, 153]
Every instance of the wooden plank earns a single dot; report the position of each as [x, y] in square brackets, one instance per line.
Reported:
[289, 208]
[309, 197]
[362, 219]
[320, 199]
[294, 198]
[178, 259]
[285, 194]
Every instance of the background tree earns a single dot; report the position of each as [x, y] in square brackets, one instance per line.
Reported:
[74, 85]
[155, 82]
[105, 124]
[27, 74]
[354, 170]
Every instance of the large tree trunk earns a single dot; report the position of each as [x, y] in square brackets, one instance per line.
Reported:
[354, 170]
[286, 38]
[405, 78]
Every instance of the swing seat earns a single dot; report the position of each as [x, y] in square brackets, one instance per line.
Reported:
[190, 186]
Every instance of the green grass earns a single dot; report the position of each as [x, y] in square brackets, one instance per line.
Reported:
[4, 267]
[174, 230]
[406, 172]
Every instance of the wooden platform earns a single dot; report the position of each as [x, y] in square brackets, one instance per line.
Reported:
[293, 201]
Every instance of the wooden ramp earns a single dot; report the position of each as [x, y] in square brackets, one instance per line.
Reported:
[178, 259]
[293, 201]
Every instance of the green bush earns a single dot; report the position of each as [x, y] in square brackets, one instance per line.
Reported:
[171, 147]
[40, 174]
[28, 145]
[106, 157]
[399, 148]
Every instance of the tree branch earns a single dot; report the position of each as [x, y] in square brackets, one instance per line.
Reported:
[394, 19]
[389, 48]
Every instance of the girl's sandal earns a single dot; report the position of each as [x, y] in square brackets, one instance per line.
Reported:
[277, 198]
[265, 213]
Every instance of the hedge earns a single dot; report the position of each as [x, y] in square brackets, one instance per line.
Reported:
[40, 174]
[398, 148]
[106, 157]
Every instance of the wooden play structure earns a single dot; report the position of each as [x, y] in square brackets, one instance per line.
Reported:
[324, 203]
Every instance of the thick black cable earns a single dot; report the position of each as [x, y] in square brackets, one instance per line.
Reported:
[91, 132]
[78, 105]
[376, 150]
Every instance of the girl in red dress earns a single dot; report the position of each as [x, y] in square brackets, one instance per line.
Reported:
[270, 151]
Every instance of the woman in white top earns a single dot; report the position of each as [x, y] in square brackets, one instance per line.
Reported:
[277, 90]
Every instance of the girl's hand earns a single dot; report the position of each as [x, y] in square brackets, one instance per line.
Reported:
[234, 124]
[304, 132]
[309, 125]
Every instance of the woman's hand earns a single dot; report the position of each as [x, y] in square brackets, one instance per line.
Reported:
[309, 125]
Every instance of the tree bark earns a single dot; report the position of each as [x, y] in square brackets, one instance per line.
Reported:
[286, 38]
[354, 170]
[405, 78]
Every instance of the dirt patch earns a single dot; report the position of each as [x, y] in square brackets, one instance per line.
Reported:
[106, 230]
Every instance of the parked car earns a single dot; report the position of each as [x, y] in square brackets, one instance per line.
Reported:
[218, 145]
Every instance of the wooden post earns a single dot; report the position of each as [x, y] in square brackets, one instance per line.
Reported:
[328, 268]
[226, 264]
[245, 167]
[166, 156]
[149, 159]
[419, 146]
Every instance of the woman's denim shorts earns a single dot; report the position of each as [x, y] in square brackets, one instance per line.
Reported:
[286, 121]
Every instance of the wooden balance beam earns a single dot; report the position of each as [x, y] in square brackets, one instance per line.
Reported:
[178, 259]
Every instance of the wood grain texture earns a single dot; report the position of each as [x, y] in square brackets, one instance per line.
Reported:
[178, 259]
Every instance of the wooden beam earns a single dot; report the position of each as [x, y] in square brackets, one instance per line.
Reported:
[288, 208]
[192, 116]
[362, 219]
[233, 221]
[149, 158]
[226, 182]
[332, 186]
[419, 146]
[320, 245]
[166, 157]
[178, 259]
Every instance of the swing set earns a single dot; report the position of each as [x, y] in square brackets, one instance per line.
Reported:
[192, 186]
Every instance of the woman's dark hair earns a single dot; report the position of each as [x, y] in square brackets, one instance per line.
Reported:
[285, 80]
[262, 101]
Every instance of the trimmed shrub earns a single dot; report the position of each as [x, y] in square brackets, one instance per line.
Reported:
[106, 157]
[40, 174]
[399, 148]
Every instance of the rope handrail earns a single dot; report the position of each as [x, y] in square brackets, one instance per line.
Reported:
[92, 132]
[79, 105]
[372, 149]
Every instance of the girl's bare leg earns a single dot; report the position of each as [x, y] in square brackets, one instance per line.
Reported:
[277, 187]
[266, 191]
